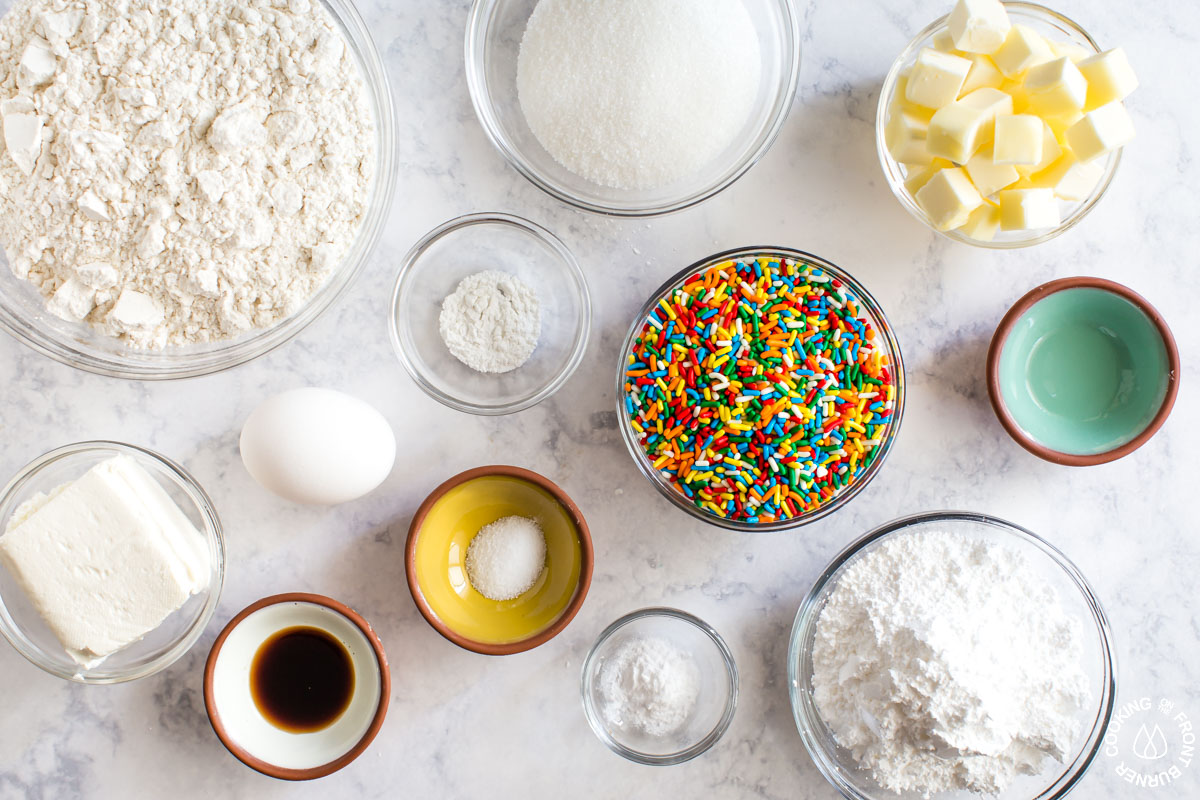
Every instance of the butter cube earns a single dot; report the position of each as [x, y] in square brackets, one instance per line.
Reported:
[1075, 52]
[1056, 87]
[1051, 150]
[936, 78]
[949, 198]
[983, 75]
[1023, 48]
[1060, 124]
[1019, 139]
[1069, 178]
[943, 42]
[1109, 77]
[1028, 209]
[917, 177]
[979, 26]
[905, 135]
[988, 176]
[959, 129]
[1100, 131]
[1016, 90]
[983, 223]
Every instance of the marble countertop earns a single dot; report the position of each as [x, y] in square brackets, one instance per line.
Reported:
[463, 725]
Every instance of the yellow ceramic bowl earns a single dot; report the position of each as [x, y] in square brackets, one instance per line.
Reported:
[435, 560]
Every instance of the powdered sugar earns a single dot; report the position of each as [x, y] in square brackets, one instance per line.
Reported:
[179, 172]
[491, 322]
[943, 662]
[649, 684]
[636, 94]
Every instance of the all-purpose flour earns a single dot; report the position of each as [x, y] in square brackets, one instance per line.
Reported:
[179, 172]
[943, 662]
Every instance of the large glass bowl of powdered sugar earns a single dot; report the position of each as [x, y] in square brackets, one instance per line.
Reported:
[186, 213]
[948, 655]
[632, 107]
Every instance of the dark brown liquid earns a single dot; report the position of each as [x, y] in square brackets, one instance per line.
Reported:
[302, 679]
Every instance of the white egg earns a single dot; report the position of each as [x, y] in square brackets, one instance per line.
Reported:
[317, 446]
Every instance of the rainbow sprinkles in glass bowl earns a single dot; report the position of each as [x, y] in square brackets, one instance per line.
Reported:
[760, 389]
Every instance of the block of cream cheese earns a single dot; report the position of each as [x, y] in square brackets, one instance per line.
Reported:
[1056, 88]
[1101, 131]
[948, 198]
[1109, 77]
[1023, 48]
[1019, 139]
[979, 26]
[936, 78]
[1028, 209]
[105, 559]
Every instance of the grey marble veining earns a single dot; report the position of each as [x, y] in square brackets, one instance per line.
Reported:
[466, 726]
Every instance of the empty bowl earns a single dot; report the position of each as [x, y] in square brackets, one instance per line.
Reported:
[495, 29]
[715, 700]
[243, 721]
[20, 622]
[433, 269]
[1082, 371]
[436, 553]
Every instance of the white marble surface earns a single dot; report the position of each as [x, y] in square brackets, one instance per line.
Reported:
[465, 726]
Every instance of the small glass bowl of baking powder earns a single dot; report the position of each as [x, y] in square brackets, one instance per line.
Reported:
[707, 666]
[23, 311]
[20, 622]
[463, 247]
[1047, 563]
[494, 33]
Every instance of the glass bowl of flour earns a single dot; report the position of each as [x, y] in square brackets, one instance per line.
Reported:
[949, 655]
[205, 217]
[632, 107]
[490, 314]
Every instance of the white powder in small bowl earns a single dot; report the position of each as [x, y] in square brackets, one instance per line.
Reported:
[491, 322]
[649, 684]
[505, 558]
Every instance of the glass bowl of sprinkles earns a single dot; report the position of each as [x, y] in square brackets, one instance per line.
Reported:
[493, 41]
[760, 389]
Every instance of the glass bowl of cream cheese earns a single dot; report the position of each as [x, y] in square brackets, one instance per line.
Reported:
[112, 559]
[949, 654]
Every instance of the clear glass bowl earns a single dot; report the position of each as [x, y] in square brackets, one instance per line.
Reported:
[23, 311]
[1044, 21]
[459, 248]
[494, 32]
[24, 628]
[715, 704]
[1077, 598]
[869, 306]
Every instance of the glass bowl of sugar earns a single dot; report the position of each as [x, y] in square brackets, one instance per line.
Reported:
[471, 287]
[659, 686]
[964, 613]
[662, 138]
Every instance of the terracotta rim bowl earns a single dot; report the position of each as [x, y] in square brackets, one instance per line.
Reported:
[569, 611]
[265, 767]
[1001, 337]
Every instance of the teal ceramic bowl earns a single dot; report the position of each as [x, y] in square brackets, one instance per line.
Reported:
[1082, 371]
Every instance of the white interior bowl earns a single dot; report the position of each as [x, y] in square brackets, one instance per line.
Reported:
[249, 735]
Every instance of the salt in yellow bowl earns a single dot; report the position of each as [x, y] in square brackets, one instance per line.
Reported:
[436, 553]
